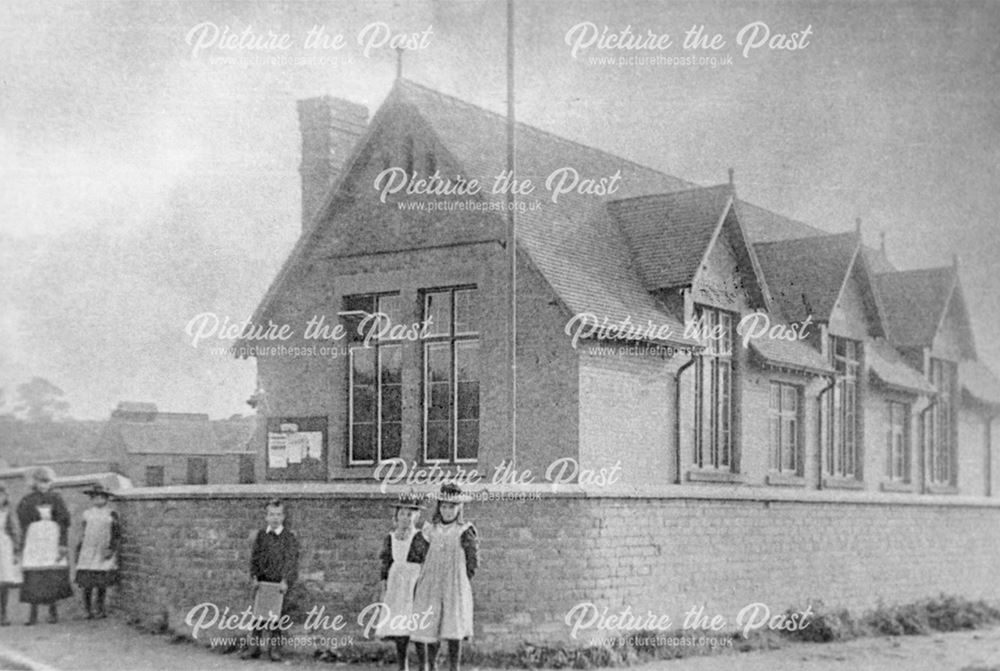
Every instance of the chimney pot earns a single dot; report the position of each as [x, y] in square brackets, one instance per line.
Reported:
[330, 127]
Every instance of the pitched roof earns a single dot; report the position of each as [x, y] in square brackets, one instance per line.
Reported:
[914, 302]
[668, 233]
[806, 274]
[979, 382]
[789, 354]
[574, 243]
[762, 225]
[889, 369]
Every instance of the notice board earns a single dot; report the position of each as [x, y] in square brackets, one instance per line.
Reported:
[296, 448]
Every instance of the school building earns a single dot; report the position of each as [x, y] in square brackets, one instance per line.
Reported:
[851, 463]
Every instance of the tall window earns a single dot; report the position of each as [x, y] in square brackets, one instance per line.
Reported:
[451, 375]
[842, 453]
[897, 441]
[939, 427]
[375, 381]
[784, 423]
[714, 393]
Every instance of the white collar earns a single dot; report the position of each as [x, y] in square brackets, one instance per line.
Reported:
[276, 531]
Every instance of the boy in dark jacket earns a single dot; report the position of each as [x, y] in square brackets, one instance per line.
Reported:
[274, 558]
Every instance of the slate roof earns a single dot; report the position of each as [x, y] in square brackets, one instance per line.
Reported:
[889, 369]
[574, 243]
[790, 354]
[805, 275]
[668, 233]
[914, 302]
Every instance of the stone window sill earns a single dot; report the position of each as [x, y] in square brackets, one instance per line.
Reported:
[714, 476]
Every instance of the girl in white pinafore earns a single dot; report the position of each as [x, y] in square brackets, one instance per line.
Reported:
[444, 588]
[10, 572]
[400, 570]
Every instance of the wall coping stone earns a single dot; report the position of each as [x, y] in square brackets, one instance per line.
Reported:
[691, 492]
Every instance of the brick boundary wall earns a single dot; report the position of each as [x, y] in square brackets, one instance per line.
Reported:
[541, 557]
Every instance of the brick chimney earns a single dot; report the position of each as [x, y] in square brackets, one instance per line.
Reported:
[330, 127]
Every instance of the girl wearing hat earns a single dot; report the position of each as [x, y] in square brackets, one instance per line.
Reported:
[401, 556]
[444, 588]
[97, 555]
[45, 521]
[10, 572]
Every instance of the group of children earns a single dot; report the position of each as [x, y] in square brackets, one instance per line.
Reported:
[425, 581]
[33, 549]
[426, 577]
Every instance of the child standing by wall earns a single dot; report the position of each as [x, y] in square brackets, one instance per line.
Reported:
[10, 547]
[97, 554]
[45, 520]
[274, 557]
[401, 557]
[444, 586]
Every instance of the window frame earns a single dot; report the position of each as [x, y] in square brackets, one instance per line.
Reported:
[377, 347]
[841, 452]
[781, 415]
[900, 430]
[941, 445]
[453, 339]
[716, 363]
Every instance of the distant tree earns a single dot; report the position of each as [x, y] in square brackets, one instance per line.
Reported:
[40, 401]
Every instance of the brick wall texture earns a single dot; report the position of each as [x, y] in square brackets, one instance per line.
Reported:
[541, 557]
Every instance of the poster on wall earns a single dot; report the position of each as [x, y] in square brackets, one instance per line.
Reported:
[295, 448]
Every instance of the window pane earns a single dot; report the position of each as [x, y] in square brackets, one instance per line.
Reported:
[775, 424]
[391, 307]
[363, 365]
[356, 308]
[363, 402]
[438, 440]
[438, 362]
[468, 400]
[467, 361]
[363, 442]
[468, 439]
[437, 308]
[392, 433]
[439, 402]
[466, 311]
[392, 404]
[390, 364]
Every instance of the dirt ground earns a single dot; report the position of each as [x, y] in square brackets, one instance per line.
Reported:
[76, 644]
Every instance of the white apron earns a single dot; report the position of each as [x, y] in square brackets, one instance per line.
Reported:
[10, 572]
[399, 589]
[96, 540]
[41, 543]
[444, 586]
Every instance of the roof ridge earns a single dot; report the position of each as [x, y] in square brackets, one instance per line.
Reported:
[536, 129]
[665, 194]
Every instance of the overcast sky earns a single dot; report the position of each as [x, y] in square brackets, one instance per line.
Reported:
[142, 183]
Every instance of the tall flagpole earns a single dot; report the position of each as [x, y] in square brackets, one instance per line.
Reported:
[511, 239]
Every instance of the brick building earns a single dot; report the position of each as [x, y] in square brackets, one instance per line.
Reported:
[884, 392]
[155, 448]
[853, 465]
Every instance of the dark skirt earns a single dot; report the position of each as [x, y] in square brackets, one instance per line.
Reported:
[88, 579]
[45, 585]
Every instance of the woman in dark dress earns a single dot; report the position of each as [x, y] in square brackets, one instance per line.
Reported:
[45, 520]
